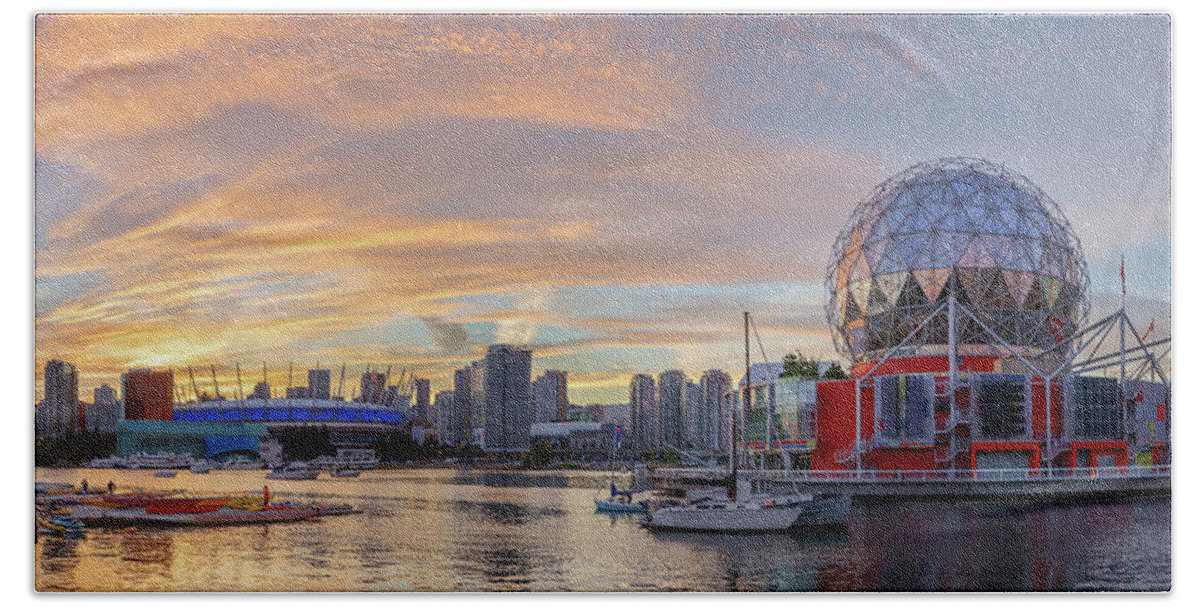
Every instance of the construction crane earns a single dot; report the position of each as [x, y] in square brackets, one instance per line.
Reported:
[195, 392]
[238, 366]
[216, 387]
[384, 396]
[339, 393]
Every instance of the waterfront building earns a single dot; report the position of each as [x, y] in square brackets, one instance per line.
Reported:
[214, 441]
[478, 399]
[443, 411]
[262, 390]
[148, 395]
[643, 413]
[612, 413]
[583, 440]
[60, 398]
[459, 429]
[509, 404]
[692, 414]
[41, 420]
[297, 392]
[550, 396]
[713, 415]
[351, 424]
[373, 388]
[958, 293]
[672, 407]
[582, 413]
[318, 384]
[421, 389]
[104, 412]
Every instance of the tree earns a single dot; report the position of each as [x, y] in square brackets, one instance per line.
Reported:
[541, 453]
[795, 364]
[835, 372]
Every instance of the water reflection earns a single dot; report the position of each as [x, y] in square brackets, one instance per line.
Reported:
[433, 530]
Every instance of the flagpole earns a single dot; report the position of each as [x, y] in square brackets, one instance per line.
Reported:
[1124, 322]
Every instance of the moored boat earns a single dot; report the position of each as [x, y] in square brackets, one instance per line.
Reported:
[161, 460]
[345, 473]
[619, 501]
[749, 514]
[111, 462]
[58, 523]
[241, 463]
[165, 474]
[773, 515]
[196, 516]
[200, 467]
[294, 471]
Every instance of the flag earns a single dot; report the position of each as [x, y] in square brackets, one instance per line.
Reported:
[1148, 330]
[1122, 275]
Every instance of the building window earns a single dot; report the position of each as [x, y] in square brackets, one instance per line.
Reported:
[1097, 407]
[1001, 406]
[904, 407]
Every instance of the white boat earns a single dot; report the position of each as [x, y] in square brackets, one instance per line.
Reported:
[345, 473]
[295, 470]
[359, 460]
[161, 460]
[241, 463]
[715, 513]
[200, 467]
[774, 515]
[111, 462]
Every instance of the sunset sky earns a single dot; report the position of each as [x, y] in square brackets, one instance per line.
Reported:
[610, 190]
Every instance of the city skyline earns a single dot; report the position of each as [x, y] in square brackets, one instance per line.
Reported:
[214, 189]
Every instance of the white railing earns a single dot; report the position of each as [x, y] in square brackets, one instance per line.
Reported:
[1129, 472]
[975, 475]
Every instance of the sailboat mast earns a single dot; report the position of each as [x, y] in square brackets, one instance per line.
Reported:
[735, 451]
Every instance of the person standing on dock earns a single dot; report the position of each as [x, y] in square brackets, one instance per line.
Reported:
[111, 486]
[83, 486]
[266, 495]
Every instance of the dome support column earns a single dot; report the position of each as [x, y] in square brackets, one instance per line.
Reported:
[952, 361]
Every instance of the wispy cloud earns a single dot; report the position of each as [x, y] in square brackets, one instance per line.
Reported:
[610, 190]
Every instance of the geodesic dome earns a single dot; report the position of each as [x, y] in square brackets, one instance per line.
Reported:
[960, 225]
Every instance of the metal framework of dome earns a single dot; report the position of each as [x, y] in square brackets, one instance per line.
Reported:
[963, 226]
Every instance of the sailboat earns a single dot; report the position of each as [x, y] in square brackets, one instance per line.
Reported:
[618, 501]
[749, 514]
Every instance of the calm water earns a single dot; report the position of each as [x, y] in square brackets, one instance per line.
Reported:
[435, 530]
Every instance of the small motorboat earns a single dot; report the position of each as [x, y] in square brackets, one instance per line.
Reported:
[200, 467]
[166, 474]
[295, 471]
[618, 501]
[345, 473]
[49, 522]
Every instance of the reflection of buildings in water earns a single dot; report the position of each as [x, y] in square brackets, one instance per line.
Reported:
[506, 569]
[768, 562]
[494, 541]
[147, 546]
[60, 557]
[984, 547]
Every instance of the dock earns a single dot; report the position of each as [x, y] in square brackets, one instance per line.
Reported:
[1004, 484]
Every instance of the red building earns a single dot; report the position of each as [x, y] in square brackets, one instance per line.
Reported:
[149, 395]
[960, 264]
